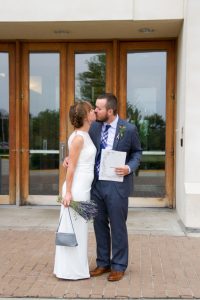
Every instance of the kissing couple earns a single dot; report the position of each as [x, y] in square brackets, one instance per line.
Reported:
[94, 130]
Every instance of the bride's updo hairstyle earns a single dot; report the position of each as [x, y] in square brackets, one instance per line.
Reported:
[78, 112]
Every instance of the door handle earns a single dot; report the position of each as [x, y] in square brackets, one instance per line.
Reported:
[62, 152]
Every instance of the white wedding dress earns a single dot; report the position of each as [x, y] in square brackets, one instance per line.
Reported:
[72, 262]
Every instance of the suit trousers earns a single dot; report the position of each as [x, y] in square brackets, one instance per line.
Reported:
[110, 225]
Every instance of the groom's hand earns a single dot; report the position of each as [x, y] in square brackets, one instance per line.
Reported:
[122, 171]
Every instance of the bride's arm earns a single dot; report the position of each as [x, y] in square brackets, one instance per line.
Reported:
[74, 152]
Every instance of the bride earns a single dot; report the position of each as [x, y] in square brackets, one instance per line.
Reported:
[72, 262]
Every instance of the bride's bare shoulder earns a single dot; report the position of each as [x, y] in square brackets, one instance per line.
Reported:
[76, 140]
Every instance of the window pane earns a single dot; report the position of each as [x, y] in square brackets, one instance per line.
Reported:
[4, 124]
[44, 123]
[90, 76]
[146, 108]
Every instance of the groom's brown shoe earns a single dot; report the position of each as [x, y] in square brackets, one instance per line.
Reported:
[99, 271]
[115, 275]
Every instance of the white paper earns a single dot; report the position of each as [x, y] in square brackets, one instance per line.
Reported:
[111, 159]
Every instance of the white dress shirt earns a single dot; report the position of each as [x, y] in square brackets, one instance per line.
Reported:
[111, 132]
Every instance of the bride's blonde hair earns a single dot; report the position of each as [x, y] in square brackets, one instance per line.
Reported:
[78, 112]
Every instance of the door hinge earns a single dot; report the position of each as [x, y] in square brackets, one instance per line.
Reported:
[22, 96]
[173, 96]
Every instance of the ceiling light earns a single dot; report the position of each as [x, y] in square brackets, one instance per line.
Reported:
[61, 31]
[146, 30]
[35, 84]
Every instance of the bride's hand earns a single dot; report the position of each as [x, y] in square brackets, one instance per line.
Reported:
[67, 199]
[66, 162]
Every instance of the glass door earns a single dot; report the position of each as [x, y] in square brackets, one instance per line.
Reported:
[7, 123]
[89, 72]
[43, 124]
[148, 94]
[54, 76]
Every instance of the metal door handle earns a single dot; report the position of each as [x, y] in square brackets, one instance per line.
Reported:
[62, 152]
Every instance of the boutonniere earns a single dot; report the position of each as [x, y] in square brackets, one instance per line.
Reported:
[121, 132]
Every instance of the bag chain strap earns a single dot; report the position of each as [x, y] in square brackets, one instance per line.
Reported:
[61, 219]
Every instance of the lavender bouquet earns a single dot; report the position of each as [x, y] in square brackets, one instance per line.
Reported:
[86, 209]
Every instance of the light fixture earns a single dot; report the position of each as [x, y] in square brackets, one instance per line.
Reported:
[61, 31]
[146, 30]
[2, 75]
[35, 84]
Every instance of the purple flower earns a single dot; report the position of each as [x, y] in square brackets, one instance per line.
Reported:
[86, 209]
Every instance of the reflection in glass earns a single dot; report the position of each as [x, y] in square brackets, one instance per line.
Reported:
[4, 124]
[146, 108]
[90, 76]
[44, 123]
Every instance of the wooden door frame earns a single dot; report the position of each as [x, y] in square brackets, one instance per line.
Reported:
[40, 48]
[10, 199]
[116, 51]
[169, 47]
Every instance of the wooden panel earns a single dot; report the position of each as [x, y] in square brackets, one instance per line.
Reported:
[148, 202]
[12, 123]
[115, 69]
[4, 199]
[63, 95]
[170, 125]
[24, 179]
[123, 80]
[42, 200]
[70, 85]
[18, 121]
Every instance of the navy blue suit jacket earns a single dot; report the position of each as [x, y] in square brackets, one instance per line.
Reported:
[129, 143]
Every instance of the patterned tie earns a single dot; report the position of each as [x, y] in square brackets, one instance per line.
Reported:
[103, 144]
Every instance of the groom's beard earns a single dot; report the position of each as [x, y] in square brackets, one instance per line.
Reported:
[103, 119]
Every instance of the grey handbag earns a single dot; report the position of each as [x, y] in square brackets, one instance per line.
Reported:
[66, 239]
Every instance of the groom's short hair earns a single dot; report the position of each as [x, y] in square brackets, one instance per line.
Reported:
[111, 101]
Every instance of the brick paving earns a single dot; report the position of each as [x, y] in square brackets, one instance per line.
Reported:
[160, 266]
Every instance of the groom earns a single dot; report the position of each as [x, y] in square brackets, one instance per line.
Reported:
[110, 132]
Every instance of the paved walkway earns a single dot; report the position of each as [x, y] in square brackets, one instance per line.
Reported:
[164, 261]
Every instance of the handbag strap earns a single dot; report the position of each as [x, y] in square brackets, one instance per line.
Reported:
[61, 219]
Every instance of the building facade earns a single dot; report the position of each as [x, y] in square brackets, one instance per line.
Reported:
[144, 51]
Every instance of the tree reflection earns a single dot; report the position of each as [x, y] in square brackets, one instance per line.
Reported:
[156, 132]
[93, 81]
[151, 128]
[45, 127]
[44, 135]
[4, 131]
